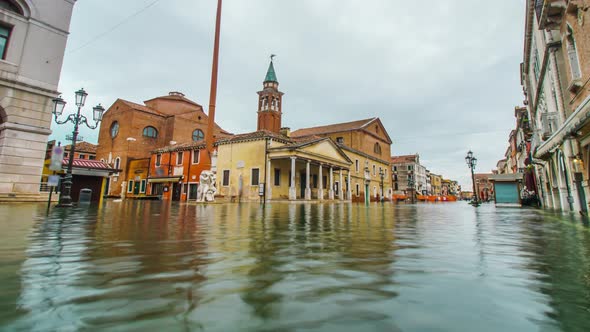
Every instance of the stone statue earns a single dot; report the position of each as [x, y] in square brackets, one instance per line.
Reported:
[207, 190]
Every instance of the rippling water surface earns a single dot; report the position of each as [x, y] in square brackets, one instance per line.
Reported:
[139, 266]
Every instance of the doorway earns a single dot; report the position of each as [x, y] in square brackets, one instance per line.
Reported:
[176, 187]
[193, 188]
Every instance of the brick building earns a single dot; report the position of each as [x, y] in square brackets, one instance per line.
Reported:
[484, 187]
[409, 174]
[130, 132]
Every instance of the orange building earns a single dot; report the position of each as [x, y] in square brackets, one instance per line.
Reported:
[129, 132]
[174, 171]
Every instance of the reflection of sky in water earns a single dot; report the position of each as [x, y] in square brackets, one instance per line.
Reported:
[287, 267]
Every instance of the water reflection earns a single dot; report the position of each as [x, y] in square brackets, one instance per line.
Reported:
[287, 267]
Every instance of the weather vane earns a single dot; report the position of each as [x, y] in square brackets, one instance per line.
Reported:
[272, 57]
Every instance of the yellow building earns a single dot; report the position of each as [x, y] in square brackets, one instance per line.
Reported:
[436, 184]
[345, 161]
[313, 169]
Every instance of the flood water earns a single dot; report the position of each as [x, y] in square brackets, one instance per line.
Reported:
[155, 266]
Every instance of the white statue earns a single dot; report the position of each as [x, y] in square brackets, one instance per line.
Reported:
[207, 190]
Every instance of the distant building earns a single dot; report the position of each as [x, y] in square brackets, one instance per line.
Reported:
[436, 183]
[130, 132]
[33, 35]
[87, 173]
[409, 174]
[484, 187]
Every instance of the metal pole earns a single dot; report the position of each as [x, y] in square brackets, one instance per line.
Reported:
[213, 95]
[475, 199]
[65, 198]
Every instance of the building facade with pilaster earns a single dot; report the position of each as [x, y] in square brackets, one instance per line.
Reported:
[33, 36]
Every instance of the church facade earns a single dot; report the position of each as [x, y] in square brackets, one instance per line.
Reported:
[309, 164]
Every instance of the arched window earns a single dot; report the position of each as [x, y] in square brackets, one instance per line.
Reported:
[198, 135]
[114, 129]
[377, 148]
[150, 132]
[117, 163]
[572, 54]
[11, 6]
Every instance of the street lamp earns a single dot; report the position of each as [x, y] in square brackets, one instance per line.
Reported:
[471, 163]
[65, 198]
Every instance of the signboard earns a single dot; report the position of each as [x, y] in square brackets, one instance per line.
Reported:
[57, 157]
[53, 181]
[261, 189]
[241, 164]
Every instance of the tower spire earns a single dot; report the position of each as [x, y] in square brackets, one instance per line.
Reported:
[270, 101]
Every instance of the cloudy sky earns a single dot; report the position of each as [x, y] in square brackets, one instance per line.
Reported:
[443, 76]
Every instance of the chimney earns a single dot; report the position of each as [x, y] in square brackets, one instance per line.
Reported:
[286, 131]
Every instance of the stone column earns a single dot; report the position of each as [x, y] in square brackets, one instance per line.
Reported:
[340, 186]
[321, 184]
[331, 190]
[268, 181]
[307, 184]
[349, 191]
[292, 188]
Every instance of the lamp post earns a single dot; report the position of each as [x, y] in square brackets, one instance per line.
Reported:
[65, 198]
[471, 163]
[382, 176]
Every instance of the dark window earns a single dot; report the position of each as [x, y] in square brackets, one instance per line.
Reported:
[277, 177]
[315, 181]
[255, 176]
[325, 181]
[4, 37]
[11, 6]
[150, 132]
[142, 188]
[225, 178]
[130, 186]
[340, 140]
[92, 157]
[114, 129]
[82, 156]
[198, 135]
[358, 192]
[396, 186]
[356, 165]
[377, 148]
[66, 155]
[196, 154]
[179, 158]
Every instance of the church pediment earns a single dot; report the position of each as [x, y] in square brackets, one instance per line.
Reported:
[320, 150]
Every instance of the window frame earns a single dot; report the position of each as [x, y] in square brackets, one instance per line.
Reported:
[252, 176]
[223, 182]
[340, 140]
[198, 154]
[143, 186]
[130, 186]
[202, 136]
[158, 160]
[115, 125]
[9, 28]
[150, 132]
[357, 165]
[277, 177]
[179, 158]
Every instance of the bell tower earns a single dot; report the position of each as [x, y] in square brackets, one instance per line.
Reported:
[270, 102]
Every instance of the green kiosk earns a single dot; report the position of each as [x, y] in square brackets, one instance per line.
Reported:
[507, 189]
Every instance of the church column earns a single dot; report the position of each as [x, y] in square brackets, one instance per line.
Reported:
[340, 186]
[268, 181]
[321, 184]
[349, 189]
[331, 190]
[307, 185]
[292, 190]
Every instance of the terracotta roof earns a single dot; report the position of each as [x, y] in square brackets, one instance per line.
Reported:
[347, 148]
[403, 159]
[181, 147]
[140, 107]
[90, 164]
[83, 147]
[176, 96]
[333, 128]
[256, 135]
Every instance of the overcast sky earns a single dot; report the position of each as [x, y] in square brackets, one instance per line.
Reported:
[443, 76]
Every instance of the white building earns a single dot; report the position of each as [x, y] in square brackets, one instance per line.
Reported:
[33, 35]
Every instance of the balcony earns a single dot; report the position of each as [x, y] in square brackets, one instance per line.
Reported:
[550, 13]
